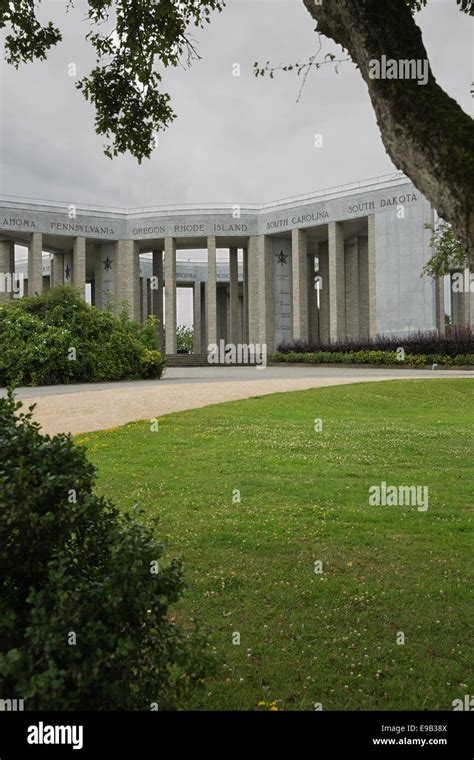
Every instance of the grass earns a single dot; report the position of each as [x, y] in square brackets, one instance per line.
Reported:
[308, 638]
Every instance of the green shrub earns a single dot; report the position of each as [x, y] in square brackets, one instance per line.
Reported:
[151, 364]
[58, 338]
[466, 359]
[85, 594]
[388, 358]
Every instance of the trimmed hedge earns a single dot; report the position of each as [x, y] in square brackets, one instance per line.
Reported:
[57, 338]
[373, 357]
[458, 340]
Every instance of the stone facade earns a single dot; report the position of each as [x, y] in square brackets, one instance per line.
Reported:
[335, 265]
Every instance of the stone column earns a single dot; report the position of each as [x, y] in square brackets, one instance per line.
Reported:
[234, 335]
[266, 292]
[245, 297]
[455, 300]
[460, 308]
[35, 264]
[323, 293]
[79, 265]
[127, 277]
[204, 340]
[228, 331]
[221, 310]
[56, 276]
[364, 298]
[144, 299]
[352, 290]
[197, 339]
[157, 296]
[313, 326]
[67, 267]
[299, 259]
[337, 291]
[170, 295]
[211, 295]
[471, 310]
[371, 275]
[253, 292]
[7, 270]
[465, 301]
[438, 285]
[98, 277]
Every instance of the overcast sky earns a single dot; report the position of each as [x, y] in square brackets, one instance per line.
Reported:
[236, 139]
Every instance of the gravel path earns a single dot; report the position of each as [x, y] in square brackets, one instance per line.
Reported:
[84, 408]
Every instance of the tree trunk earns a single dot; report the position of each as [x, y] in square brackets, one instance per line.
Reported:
[425, 132]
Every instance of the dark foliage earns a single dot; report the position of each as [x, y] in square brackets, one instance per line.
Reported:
[84, 591]
[458, 340]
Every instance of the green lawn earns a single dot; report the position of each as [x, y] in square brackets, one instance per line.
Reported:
[311, 638]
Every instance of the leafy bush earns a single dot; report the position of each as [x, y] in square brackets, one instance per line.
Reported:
[85, 594]
[151, 364]
[458, 340]
[57, 338]
[372, 357]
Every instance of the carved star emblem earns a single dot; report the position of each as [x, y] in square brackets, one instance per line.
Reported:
[281, 257]
[67, 272]
[107, 264]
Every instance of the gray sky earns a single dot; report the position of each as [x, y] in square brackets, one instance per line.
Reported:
[236, 139]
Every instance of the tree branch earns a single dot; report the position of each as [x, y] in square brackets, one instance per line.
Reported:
[425, 131]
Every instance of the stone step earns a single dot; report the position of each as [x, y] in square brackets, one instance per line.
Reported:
[193, 360]
[186, 360]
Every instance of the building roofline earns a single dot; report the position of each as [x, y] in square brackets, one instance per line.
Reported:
[361, 186]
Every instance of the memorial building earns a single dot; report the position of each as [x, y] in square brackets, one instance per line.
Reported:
[343, 263]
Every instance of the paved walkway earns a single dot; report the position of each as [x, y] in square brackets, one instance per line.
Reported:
[84, 408]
